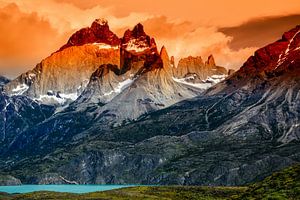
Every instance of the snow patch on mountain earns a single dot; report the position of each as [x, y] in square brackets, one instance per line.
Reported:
[60, 98]
[101, 21]
[282, 56]
[105, 46]
[20, 89]
[120, 87]
[136, 45]
[205, 84]
[72, 96]
[124, 84]
[216, 78]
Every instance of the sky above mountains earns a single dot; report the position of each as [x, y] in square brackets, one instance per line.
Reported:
[231, 30]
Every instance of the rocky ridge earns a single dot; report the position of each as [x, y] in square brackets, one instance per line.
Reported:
[9, 180]
[193, 71]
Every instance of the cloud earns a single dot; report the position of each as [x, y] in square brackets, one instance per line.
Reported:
[66, 16]
[162, 27]
[86, 4]
[24, 39]
[202, 12]
[205, 41]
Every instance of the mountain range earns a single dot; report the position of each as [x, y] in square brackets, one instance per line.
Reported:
[109, 110]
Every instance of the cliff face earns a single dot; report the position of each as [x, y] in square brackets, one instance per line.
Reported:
[9, 180]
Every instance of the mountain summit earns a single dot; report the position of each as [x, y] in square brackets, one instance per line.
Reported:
[99, 32]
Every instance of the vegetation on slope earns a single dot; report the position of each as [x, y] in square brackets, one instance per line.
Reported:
[284, 184]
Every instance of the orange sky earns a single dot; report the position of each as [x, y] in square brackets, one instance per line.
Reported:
[231, 30]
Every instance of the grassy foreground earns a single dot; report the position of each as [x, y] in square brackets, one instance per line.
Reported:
[142, 192]
[281, 185]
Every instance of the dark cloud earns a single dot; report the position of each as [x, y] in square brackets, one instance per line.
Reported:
[260, 32]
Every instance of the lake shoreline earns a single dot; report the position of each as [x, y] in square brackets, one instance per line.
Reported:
[69, 188]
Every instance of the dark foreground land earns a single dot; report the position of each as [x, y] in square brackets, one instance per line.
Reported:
[281, 185]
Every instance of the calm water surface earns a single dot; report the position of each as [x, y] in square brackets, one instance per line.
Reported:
[60, 188]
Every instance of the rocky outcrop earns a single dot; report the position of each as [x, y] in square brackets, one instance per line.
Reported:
[194, 66]
[167, 62]
[49, 178]
[6, 180]
[210, 61]
[194, 72]
[230, 72]
[3, 81]
[172, 61]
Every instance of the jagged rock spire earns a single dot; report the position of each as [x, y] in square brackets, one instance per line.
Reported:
[164, 53]
[165, 58]
[172, 61]
[210, 61]
[137, 41]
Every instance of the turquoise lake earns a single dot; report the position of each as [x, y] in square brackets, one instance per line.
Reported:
[60, 188]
